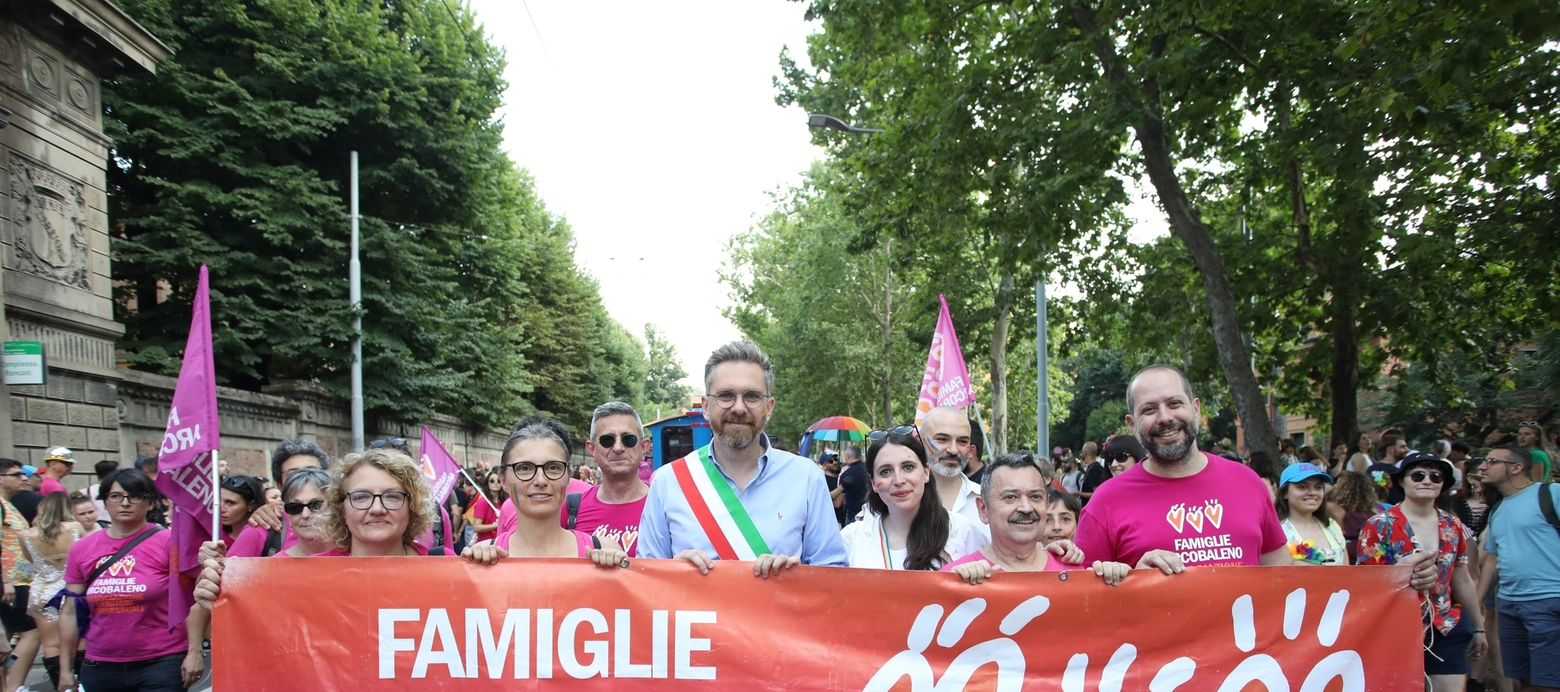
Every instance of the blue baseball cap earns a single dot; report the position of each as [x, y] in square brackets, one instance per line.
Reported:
[1295, 473]
[28, 471]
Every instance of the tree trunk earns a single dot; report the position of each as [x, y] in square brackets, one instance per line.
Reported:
[1143, 101]
[1345, 369]
[887, 332]
[998, 442]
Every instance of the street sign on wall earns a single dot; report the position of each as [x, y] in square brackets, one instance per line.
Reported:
[23, 362]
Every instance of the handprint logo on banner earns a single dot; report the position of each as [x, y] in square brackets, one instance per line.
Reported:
[1012, 667]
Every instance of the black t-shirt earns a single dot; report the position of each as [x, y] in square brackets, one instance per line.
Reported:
[1095, 476]
[854, 479]
[834, 482]
[26, 502]
[976, 476]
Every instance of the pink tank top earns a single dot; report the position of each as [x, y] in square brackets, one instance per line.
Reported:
[583, 539]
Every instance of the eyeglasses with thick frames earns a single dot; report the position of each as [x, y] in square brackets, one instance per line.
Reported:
[750, 398]
[608, 440]
[13, 474]
[314, 506]
[121, 498]
[391, 501]
[1420, 476]
[881, 433]
[525, 470]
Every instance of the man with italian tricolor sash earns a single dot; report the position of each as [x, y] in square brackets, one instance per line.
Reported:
[738, 498]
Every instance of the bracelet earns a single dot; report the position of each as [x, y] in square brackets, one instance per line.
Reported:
[1481, 631]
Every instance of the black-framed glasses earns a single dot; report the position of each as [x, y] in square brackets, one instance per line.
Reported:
[121, 498]
[881, 433]
[314, 506]
[1480, 461]
[609, 440]
[525, 470]
[397, 443]
[1420, 476]
[750, 398]
[391, 501]
[13, 474]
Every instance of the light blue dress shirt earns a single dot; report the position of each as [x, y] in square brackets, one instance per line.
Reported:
[788, 501]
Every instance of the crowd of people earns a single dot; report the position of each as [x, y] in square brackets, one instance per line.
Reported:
[918, 497]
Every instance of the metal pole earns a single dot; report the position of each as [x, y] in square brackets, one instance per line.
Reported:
[1043, 400]
[355, 276]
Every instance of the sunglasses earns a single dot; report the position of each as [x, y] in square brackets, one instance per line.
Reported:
[391, 442]
[314, 506]
[234, 482]
[1420, 476]
[609, 440]
[881, 433]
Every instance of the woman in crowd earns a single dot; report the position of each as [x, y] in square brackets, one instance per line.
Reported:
[304, 497]
[84, 512]
[1339, 461]
[1451, 608]
[1123, 452]
[535, 466]
[1361, 459]
[1268, 470]
[906, 526]
[1313, 536]
[1353, 502]
[1469, 504]
[241, 496]
[273, 494]
[1531, 438]
[131, 645]
[484, 504]
[1309, 455]
[378, 505]
[46, 546]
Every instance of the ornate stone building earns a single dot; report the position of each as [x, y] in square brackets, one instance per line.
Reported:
[57, 279]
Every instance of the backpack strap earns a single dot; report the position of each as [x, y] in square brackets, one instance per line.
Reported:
[273, 543]
[1546, 504]
[595, 542]
[574, 509]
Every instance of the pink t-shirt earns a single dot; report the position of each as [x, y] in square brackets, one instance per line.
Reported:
[130, 601]
[1052, 564]
[1221, 515]
[581, 538]
[617, 522]
[482, 513]
[347, 552]
[507, 517]
[50, 485]
[250, 542]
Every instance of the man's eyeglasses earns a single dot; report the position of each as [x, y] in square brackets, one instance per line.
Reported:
[314, 506]
[391, 501]
[1480, 461]
[1420, 476]
[609, 440]
[525, 470]
[750, 398]
[121, 498]
[881, 433]
[13, 474]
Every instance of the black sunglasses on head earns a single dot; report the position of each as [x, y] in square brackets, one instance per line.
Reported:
[397, 443]
[881, 433]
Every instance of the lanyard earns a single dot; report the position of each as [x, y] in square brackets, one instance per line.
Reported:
[888, 558]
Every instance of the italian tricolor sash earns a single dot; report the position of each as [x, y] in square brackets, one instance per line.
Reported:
[715, 505]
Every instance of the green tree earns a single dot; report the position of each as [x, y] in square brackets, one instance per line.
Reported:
[664, 388]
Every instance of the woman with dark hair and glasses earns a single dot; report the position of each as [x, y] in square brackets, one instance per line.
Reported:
[906, 526]
[535, 466]
[240, 497]
[1420, 523]
[130, 638]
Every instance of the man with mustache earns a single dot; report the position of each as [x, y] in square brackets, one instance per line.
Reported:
[1182, 508]
[738, 498]
[946, 433]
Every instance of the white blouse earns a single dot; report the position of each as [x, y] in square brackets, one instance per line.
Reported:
[866, 544]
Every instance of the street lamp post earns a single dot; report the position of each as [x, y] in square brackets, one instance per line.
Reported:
[833, 123]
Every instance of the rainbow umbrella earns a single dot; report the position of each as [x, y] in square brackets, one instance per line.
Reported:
[839, 428]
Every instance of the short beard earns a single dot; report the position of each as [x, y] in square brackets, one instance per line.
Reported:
[1172, 455]
[943, 470]
[741, 442]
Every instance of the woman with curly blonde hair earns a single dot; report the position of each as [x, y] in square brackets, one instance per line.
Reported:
[1352, 502]
[379, 503]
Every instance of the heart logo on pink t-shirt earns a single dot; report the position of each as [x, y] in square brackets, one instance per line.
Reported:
[1176, 517]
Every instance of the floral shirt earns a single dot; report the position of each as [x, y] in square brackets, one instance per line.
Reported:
[18, 571]
[1388, 537]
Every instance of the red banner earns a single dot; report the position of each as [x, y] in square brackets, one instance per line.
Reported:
[440, 624]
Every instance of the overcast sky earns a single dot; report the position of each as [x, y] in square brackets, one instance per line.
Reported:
[652, 128]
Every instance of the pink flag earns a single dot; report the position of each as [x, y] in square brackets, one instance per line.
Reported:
[438, 466]
[186, 461]
[946, 382]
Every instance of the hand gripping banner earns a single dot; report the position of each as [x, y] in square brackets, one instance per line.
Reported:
[368, 624]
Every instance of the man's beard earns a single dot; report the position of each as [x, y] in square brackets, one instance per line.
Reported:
[1173, 454]
[941, 469]
[740, 440]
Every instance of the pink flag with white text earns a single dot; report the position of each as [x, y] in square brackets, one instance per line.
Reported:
[438, 466]
[946, 382]
[185, 462]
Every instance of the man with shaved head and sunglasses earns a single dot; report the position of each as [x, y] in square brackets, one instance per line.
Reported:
[612, 509]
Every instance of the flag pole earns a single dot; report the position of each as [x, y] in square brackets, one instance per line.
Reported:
[216, 498]
[479, 491]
